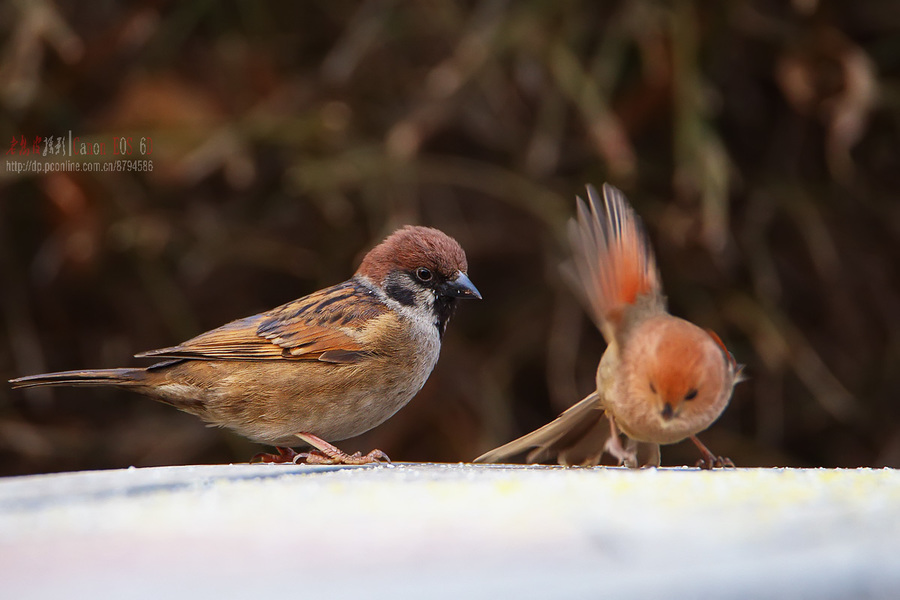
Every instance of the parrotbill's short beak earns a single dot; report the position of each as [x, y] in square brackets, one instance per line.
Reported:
[461, 287]
[668, 412]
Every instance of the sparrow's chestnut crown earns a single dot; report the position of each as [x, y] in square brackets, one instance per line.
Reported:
[425, 252]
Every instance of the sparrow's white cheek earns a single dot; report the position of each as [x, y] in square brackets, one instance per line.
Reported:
[431, 298]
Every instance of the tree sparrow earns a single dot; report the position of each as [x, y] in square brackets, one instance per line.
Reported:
[326, 367]
[661, 378]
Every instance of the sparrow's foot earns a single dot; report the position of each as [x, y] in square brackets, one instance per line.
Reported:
[710, 460]
[285, 455]
[317, 457]
[328, 454]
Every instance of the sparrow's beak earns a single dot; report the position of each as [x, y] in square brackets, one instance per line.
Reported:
[461, 287]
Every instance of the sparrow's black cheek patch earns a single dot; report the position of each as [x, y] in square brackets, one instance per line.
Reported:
[399, 293]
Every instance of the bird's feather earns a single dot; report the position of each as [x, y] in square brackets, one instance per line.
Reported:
[321, 326]
[585, 421]
[614, 264]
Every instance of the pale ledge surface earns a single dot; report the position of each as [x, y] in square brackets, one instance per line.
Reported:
[450, 531]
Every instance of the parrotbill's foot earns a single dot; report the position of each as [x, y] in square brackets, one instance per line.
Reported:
[710, 460]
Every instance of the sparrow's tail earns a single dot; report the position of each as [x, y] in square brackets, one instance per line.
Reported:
[117, 377]
[614, 263]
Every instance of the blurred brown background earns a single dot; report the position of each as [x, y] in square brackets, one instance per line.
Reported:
[758, 139]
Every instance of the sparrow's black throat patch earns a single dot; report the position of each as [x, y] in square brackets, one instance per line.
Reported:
[443, 310]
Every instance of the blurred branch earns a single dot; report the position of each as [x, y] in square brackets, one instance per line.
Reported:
[20, 70]
[603, 127]
[702, 163]
[778, 342]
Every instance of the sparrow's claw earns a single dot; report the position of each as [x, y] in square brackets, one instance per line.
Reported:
[328, 454]
[285, 455]
[377, 455]
[323, 454]
[318, 457]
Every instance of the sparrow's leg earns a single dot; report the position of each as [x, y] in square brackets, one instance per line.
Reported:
[613, 445]
[327, 454]
[710, 460]
[285, 455]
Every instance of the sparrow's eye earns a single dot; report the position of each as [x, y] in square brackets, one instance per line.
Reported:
[423, 274]
[692, 393]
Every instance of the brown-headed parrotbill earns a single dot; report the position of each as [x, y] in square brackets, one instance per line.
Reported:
[661, 379]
